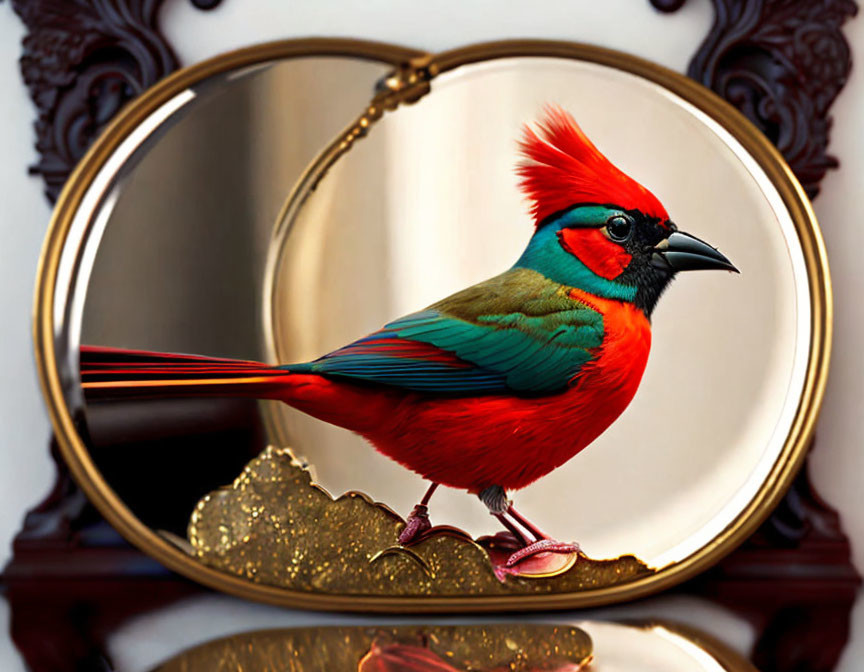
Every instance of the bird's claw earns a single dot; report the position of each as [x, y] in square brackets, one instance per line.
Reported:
[541, 546]
[416, 524]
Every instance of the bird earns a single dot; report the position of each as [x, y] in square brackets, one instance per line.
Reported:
[491, 388]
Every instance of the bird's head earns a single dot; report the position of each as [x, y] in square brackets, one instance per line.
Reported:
[597, 228]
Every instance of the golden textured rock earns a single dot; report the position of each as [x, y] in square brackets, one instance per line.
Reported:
[273, 525]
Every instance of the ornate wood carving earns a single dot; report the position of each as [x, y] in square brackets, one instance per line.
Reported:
[82, 61]
[782, 63]
[794, 581]
[72, 578]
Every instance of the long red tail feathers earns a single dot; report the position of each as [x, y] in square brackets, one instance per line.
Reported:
[114, 373]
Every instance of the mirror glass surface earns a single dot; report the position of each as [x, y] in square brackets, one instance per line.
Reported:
[429, 203]
[187, 253]
[177, 244]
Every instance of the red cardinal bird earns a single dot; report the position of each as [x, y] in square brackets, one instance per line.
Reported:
[499, 384]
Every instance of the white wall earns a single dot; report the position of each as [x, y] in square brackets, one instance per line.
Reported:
[838, 461]
[628, 25]
[25, 468]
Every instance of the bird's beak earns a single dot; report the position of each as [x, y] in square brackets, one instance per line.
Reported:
[683, 252]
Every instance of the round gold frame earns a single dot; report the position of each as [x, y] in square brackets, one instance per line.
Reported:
[121, 517]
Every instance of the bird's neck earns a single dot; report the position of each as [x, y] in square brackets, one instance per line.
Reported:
[545, 255]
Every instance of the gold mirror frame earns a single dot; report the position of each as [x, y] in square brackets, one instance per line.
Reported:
[99, 492]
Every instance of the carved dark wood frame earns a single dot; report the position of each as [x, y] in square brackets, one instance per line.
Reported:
[781, 62]
[82, 61]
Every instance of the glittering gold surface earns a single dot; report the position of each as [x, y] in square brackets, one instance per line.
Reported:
[515, 647]
[273, 525]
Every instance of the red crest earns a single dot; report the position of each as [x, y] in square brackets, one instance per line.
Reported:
[564, 168]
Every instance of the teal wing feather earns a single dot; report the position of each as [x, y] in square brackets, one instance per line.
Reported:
[516, 333]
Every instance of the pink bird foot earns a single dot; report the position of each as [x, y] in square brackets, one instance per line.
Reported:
[542, 546]
[524, 550]
[540, 559]
[417, 524]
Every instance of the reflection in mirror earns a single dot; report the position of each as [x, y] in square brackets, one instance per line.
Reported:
[606, 646]
[412, 647]
[144, 642]
[179, 267]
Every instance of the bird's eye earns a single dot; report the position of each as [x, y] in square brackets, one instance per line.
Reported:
[618, 228]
